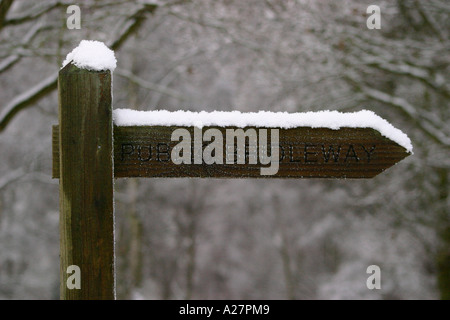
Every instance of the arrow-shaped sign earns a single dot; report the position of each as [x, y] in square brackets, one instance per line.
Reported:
[222, 150]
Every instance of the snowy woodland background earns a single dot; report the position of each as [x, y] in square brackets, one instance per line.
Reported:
[238, 239]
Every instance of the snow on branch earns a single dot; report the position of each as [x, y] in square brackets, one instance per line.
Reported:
[5, 5]
[26, 99]
[148, 85]
[12, 59]
[423, 121]
[34, 13]
[420, 74]
[10, 177]
[132, 24]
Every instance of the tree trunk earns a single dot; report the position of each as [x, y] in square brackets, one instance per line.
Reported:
[443, 254]
[284, 251]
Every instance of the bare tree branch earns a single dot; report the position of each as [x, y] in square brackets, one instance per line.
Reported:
[34, 13]
[14, 58]
[4, 8]
[411, 71]
[427, 19]
[26, 99]
[406, 109]
[149, 85]
[29, 97]
[10, 177]
[134, 22]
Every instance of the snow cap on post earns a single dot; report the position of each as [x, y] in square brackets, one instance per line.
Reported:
[86, 169]
[92, 55]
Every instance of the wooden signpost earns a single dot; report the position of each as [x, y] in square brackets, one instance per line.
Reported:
[86, 183]
[89, 152]
[141, 151]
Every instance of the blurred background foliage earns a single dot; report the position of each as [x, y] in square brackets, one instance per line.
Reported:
[238, 239]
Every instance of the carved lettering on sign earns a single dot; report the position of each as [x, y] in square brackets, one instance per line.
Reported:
[291, 153]
[295, 153]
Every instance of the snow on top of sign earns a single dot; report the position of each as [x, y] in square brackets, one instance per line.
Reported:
[321, 119]
[92, 55]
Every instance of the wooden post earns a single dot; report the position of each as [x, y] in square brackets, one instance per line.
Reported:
[86, 184]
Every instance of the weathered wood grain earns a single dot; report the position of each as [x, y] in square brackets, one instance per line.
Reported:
[85, 168]
[304, 153]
